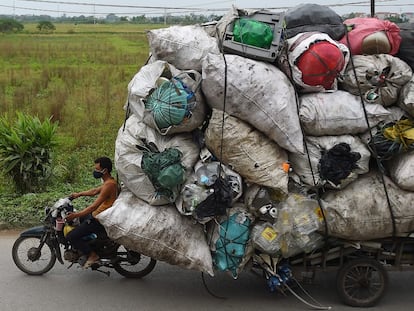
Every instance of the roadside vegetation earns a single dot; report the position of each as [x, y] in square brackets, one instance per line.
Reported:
[74, 79]
[26, 147]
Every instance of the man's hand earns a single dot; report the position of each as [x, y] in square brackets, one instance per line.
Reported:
[74, 195]
[71, 216]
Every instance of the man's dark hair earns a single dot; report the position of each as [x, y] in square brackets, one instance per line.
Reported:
[105, 162]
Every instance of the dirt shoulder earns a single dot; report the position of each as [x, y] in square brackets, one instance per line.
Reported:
[10, 232]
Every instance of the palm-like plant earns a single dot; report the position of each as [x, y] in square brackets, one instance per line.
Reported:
[26, 151]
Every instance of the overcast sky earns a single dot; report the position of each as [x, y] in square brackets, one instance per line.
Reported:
[158, 7]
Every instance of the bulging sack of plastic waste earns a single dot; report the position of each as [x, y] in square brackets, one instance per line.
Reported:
[369, 35]
[401, 169]
[379, 77]
[167, 99]
[337, 113]
[182, 46]
[335, 161]
[361, 212]
[406, 99]
[257, 93]
[249, 152]
[132, 141]
[159, 232]
[405, 52]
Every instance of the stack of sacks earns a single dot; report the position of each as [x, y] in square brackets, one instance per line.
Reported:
[222, 154]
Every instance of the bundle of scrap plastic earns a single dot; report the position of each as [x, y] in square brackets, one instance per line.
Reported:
[225, 155]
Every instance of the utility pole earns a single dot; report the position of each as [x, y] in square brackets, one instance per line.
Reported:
[372, 8]
[94, 16]
[165, 16]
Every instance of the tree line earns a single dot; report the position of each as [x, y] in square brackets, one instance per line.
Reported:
[15, 23]
[112, 18]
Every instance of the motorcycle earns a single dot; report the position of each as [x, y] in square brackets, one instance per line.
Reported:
[36, 249]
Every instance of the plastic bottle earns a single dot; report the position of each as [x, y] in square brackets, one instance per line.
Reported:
[194, 194]
[266, 238]
[207, 173]
[284, 221]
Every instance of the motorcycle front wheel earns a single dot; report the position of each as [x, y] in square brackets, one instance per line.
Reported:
[131, 264]
[30, 258]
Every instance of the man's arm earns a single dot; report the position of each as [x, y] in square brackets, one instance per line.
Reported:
[87, 193]
[104, 192]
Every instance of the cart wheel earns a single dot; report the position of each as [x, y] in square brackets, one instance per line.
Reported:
[361, 282]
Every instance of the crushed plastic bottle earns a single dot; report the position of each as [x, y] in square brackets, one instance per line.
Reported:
[207, 173]
[194, 194]
[266, 238]
[305, 222]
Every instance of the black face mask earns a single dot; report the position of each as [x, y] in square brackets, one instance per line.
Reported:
[97, 174]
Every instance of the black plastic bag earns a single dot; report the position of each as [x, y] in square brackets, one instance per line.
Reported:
[313, 17]
[337, 163]
[218, 202]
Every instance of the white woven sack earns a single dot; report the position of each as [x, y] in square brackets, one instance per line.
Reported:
[258, 93]
[145, 81]
[298, 45]
[159, 232]
[247, 151]
[301, 166]
[369, 69]
[401, 168]
[128, 158]
[361, 212]
[406, 98]
[337, 113]
[182, 46]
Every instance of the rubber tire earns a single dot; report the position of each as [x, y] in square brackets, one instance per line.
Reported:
[135, 275]
[349, 269]
[18, 262]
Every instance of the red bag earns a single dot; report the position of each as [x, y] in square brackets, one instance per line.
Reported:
[363, 27]
[316, 61]
[321, 64]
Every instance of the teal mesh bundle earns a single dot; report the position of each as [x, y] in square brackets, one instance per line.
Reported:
[253, 32]
[164, 169]
[168, 103]
[230, 247]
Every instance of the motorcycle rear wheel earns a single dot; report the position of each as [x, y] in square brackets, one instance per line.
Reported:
[131, 264]
[29, 258]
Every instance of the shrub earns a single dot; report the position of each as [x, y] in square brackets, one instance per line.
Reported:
[26, 151]
[45, 26]
[10, 25]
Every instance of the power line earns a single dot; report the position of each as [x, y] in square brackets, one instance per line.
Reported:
[172, 10]
[106, 13]
[124, 5]
[358, 3]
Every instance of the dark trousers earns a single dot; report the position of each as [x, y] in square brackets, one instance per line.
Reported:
[88, 226]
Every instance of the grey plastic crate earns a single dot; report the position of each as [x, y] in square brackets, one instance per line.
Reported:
[275, 20]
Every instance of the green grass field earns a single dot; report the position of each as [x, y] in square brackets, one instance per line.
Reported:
[78, 76]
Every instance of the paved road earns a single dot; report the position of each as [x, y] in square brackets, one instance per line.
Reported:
[166, 288]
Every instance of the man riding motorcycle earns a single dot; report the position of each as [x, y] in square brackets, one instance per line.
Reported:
[107, 194]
